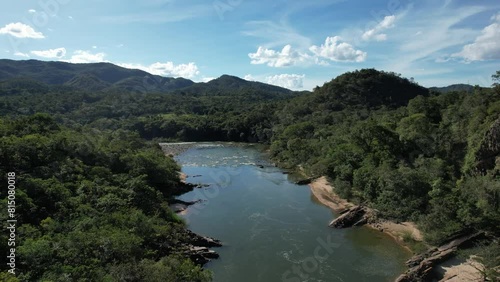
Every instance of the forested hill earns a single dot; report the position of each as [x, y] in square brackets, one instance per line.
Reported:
[89, 77]
[383, 140]
[232, 85]
[368, 87]
[387, 143]
[453, 87]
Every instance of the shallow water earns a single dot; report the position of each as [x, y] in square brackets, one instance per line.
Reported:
[272, 229]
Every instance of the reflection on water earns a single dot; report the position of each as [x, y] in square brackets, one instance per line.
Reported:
[272, 229]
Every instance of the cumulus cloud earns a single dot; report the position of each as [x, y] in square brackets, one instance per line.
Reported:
[31, 11]
[188, 70]
[20, 54]
[290, 81]
[486, 46]
[284, 58]
[249, 77]
[333, 49]
[21, 30]
[85, 57]
[376, 32]
[336, 50]
[57, 53]
[207, 78]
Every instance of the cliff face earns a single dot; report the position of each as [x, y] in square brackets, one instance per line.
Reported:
[488, 155]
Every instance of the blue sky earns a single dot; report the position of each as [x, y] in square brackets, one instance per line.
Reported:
[297, 44]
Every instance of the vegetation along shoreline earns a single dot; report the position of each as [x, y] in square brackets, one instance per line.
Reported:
[93, 187]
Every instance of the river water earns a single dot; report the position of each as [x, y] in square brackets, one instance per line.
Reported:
[272, 229]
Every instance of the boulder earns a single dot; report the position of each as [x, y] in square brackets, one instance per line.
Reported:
[201, 255]
[354, 216]
[304, 181]
[202, 241]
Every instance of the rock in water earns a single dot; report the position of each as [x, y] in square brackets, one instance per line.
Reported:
[354, 216]
[202, 241]
[201, 255]
[304, 181]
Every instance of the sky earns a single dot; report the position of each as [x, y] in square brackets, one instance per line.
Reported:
[297, 44]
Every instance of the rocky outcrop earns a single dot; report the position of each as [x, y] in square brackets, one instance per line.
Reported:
[421, 265]
[196, 247]
[304, 181]
[185, 187]
[488, 155]
[179, 206]
[201, 255]
[355, 216]
[202, 241]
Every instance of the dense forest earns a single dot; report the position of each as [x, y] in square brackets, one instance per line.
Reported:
[93, 203]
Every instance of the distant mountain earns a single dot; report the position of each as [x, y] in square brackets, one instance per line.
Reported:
[227, 85]
[108, 77]
[94, 76]
[453, 87]
[236, 83]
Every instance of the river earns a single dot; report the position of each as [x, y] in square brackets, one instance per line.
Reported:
[272, 229]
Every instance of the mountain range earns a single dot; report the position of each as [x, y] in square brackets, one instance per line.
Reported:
[112, 78]
[109, 77]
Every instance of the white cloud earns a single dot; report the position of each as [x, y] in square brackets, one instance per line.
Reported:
[20, 54]
[284, 58]
[70, 17]
[31, 11]
[337, 51]
[57, 53]
[94, 47]
[333, 49]
[21, 30]
[249, 77]
[188, 70]
[84, 57]
[375, 33]
[486, 46]
[207, 79]
[438, 34]
[290, 81]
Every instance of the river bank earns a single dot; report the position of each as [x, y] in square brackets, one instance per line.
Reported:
[269, 225]
[450, 269]
[401, 232]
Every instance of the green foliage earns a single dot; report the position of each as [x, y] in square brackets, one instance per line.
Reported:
[369, 87]
[92, 204]
[488, 256]
[416, 162]
[7, 277]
